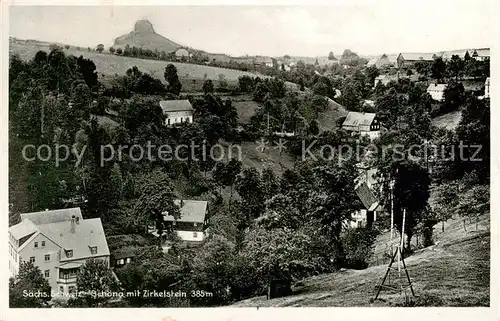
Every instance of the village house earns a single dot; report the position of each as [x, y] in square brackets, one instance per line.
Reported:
[436, 91]
[366, 124]
[382, 61]
[481, 54]
[408, 59]
[264, 61]
[177, 111]
[191, 226]
[366, 215]
[58, 242]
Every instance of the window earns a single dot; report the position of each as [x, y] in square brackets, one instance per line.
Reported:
[43, 243]
[47, 257]
[121, 261]
[61, 289]
[36, 244]
[69, 253]
[168, 121]
[32, 259]
[173, 223]
[128, 260]
[46, 273]
[93, 250]
[195, 234]
[194, 224]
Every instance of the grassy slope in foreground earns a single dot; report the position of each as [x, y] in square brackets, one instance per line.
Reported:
[454, 272]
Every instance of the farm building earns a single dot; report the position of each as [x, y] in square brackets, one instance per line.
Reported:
[177, 111]
[366, 124]
[436, 91]
[383, 61]
[407, 59]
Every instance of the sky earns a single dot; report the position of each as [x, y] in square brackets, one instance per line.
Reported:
[370, 28]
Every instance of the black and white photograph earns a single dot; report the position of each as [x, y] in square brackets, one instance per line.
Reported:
[249, 156]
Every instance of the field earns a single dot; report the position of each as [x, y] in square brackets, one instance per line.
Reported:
[191, 75]
[453, 272]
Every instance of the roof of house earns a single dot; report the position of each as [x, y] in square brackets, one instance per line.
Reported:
[87, 233]
[191, 211]
[355, 118]
[415, 56]
[175, 105]
[366, 196]
[26, 227]
[436, 87]
[52, 216]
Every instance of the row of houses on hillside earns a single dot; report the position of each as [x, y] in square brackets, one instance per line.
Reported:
[407, 59]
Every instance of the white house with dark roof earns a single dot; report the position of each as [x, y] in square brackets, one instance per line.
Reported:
[177, 111]
[191, 226]
[366, 124]
[58, 242]
[436, 91]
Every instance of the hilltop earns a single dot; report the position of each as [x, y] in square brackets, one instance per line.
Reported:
[144, 36]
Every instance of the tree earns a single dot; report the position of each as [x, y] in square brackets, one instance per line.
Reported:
[208, 87]
[29, 289]
[411, 194]
[94, 276]
[331, 56]
[246, 83]
[350, 96]
[249, 187]
[112, 50]
[119, 51]
[156, 197]
[438, 68]
[371, 73]
[313, 128]
[100, 48]
[174, 85]
[455, 67]
[454, 96]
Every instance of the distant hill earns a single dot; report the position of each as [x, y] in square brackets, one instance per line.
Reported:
[144, 36]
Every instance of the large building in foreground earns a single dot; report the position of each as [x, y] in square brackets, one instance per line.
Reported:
[58, 242]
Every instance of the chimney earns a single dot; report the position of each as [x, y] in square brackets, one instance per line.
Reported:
[182, 203]
[72, 224]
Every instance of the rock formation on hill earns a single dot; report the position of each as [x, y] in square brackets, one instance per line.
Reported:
[144, 36]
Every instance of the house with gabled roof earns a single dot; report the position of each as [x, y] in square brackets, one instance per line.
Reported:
[58, 242]
[436, 91]
[177, 111]
[366, 124]
[191, 227]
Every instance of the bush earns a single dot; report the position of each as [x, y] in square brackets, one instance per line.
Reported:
[357, 244]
